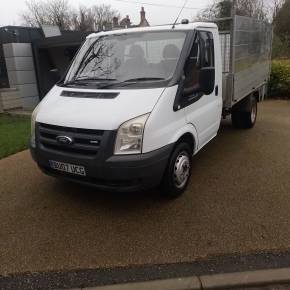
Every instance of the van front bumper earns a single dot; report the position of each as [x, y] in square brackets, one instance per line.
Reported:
[112, 173]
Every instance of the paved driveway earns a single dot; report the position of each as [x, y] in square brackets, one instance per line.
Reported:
[238, 201]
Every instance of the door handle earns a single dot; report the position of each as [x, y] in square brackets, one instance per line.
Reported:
[216, 90]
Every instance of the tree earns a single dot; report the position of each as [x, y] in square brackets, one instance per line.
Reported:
[83, 19]
[59, 13]
[53, 12]
[94, 18]
[103, 14]
[275, 7]
[282, 22]
[223, 8]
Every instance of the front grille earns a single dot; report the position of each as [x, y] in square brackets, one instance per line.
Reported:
[86, 142]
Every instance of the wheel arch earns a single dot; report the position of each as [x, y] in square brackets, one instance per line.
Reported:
[189, 135]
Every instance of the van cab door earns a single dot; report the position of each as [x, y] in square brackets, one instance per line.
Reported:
[202, 98]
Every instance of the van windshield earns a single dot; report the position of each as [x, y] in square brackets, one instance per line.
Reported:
[127, 59]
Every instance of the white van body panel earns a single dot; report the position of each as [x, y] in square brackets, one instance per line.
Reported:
[201, 119]
[206, 113]
[101, 114]
[165, 126]
[190, 26]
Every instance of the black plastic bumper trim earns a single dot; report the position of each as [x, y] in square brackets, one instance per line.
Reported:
[113, 173]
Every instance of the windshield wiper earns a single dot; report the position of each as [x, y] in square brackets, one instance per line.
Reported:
[131, 82]
[94, 79]
[144, 79]
[86, 81]
[109, 82]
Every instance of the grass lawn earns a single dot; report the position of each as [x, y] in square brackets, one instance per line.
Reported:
[14, 134]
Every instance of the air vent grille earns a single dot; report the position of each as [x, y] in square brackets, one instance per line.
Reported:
[88, 95]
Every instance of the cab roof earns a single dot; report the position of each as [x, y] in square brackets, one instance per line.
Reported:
[178, 27]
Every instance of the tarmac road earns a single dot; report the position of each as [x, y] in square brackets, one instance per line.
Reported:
[238, 202]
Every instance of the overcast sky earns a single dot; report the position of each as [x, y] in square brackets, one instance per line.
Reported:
[11, 9]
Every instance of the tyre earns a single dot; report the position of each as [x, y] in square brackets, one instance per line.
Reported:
[178, 172]
[245, 116]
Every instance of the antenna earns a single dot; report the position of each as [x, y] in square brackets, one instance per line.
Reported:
[185, 2]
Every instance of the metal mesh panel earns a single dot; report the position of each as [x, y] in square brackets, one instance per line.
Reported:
[252, 55]
[225, 40]
[252, 42]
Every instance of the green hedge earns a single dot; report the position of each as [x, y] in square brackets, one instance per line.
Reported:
[279, 85]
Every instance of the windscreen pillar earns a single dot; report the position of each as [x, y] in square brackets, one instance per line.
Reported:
[21, 73]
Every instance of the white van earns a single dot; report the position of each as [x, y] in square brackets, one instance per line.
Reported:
[135, 105]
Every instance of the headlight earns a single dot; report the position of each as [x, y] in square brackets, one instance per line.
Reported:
[33, 120]
[130, 136]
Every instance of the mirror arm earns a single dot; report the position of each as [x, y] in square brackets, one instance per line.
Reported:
[178, 99]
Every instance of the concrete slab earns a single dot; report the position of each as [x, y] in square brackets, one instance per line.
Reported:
[188, 283]
[245, 279]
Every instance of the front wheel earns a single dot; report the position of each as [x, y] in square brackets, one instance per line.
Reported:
[178, 172]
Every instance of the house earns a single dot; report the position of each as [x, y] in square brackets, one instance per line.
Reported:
[126, 22]
[26, 59]
[143, 20]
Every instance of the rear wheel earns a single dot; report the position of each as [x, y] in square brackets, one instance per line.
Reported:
[244, 115]
[178, 172]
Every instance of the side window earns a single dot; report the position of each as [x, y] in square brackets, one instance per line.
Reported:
[207, 46]
[201, 58]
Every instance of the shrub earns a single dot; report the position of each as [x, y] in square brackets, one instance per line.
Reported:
[279, 85]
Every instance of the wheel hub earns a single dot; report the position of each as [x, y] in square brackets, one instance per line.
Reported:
[253, 114]
[181, 170]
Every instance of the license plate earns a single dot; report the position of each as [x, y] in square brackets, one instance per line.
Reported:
[66, 167]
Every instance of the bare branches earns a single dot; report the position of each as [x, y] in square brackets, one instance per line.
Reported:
[252, 8]
[282, 22]
[222, 8]
[103, 14]
[54, 12]
[35, 14]
[275, 6]
[83, 19]
[94, 17]
[59, 12]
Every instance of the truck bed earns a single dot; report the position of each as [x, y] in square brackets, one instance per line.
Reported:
[246, 55]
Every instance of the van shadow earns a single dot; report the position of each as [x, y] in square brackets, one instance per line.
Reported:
[226, 126]
[90, 197]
